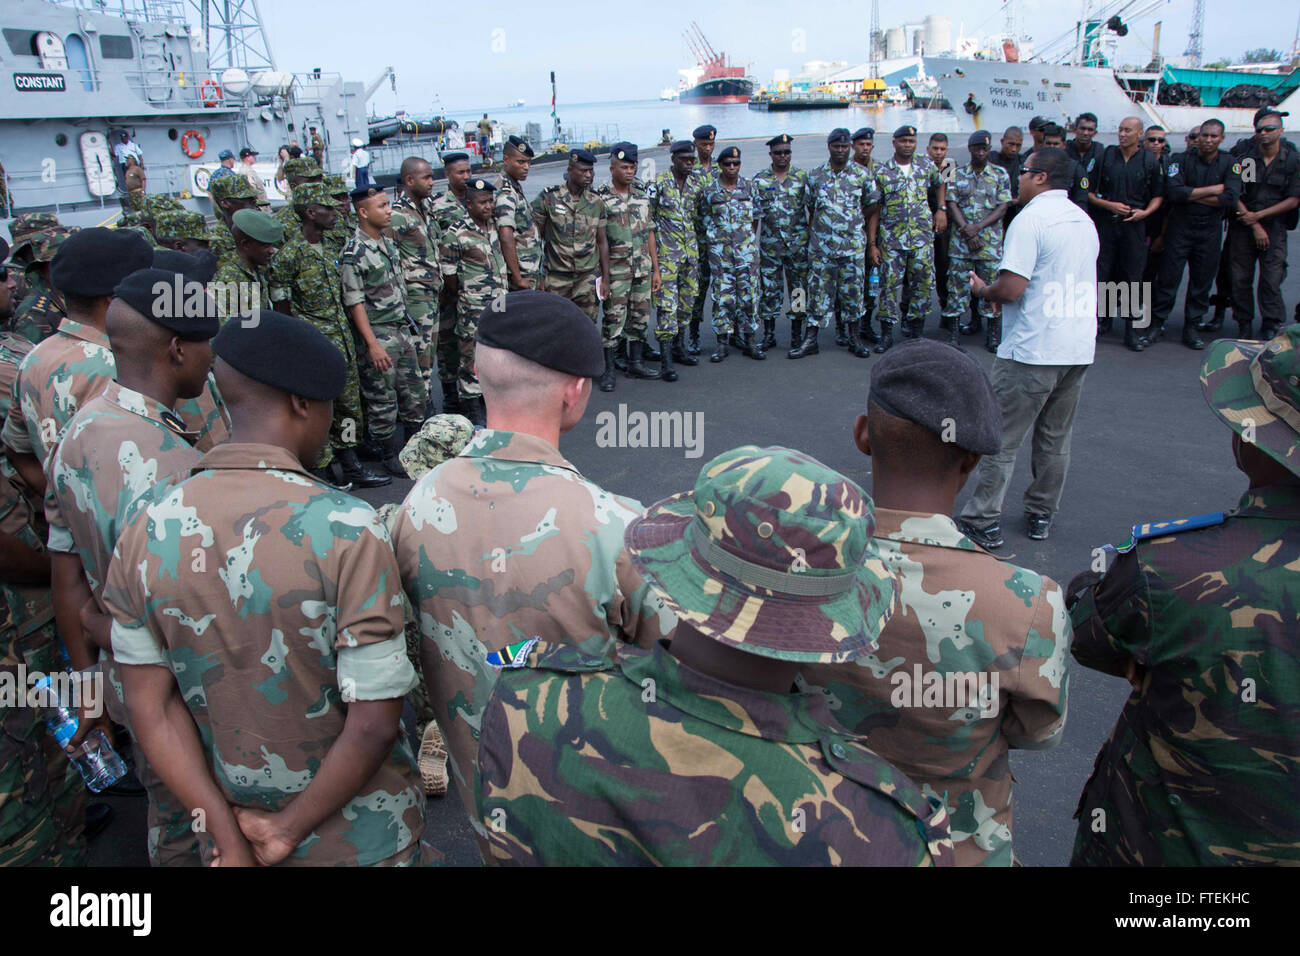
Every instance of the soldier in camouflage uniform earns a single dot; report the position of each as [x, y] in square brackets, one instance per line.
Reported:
[550, 562]
[39, 314]
[570, 218]
[783, 784]
[152, 206]
[21, 231]
[730, 211]
[633, 265]
[244, 281]
[996, 634]
[303, 280]
[674, 204]
[338, 235]
[296, 172]
[837, 199]
[304, 643]
[901, 232]
[447, 209]
[1200, 615]
[184, 231]
[374, 294]
[521, 242]
[475, 275]
[704, 140]
[783, 242]
[134, 221]
[229, 195]
[417, 235]
[116, 453]
[978, 198]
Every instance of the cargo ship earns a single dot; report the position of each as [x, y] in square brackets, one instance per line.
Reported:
[714, 79]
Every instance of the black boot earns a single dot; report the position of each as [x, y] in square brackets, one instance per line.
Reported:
[1132, 339]
[841, 337]
[694, 347]
[866, 334]
[474, 409]
[666, 370]
[1103, 326]
[607, 376]
[620, 361]
[951, 332]
[450, 398]
[1154, 334]
[907, 328]
[357, 474]
[635, 369]
[796, 332]
[973, 326]
[769, 334]
[809, 344]
[392, 448]
[1245, 330]
[1191, 339]
[993, 335]
[886, 338]
[720, 353]
[648, 351]
[855, 344]
[1267, 332]
[681, 354]
[752, 345]
[331, 476]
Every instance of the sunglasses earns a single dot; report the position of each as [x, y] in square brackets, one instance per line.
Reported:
[730, 162]
[780, 152]
[1155, 139]
[1030, 169]
[1267, 129]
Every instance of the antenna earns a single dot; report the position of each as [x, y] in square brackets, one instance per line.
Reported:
[234, 34]
[1193, 51]
[875, 39]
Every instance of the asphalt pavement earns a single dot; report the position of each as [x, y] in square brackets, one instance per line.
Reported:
[1145, 448]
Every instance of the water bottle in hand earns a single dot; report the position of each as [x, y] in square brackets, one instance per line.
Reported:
[99, 764]
[873, 283]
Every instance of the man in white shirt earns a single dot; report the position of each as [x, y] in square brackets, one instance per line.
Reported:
[1047, 288]
[125, 147]
[360, 163]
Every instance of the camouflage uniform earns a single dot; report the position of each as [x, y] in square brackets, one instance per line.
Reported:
[222, 241]
[40, 312]
[513, 210]
[13, 349]
[836, 204]
[628, 224]
[336, 238]
[246, 284]
[304, 275]
[964, 613]
[640, 790]
[550, 562]
[730, 218]
[568, 225]
[371, 274]
[183, 224]
[906, 238]
[704, 178]
[447, 211]
[673, 209]
[976, 193]
[783, 244]
[117, 453]
[440, 438]
[309, 618]
[416, 234]
[205, 416]
[472, 253]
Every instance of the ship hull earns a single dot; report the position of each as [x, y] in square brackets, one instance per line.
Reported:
[723, 90]
[1010, 94]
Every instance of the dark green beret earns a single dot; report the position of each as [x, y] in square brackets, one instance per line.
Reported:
[258, 225]
[904, 131]
[624, 152]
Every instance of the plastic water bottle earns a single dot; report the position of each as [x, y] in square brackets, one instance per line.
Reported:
[873, 282]
[99, 764]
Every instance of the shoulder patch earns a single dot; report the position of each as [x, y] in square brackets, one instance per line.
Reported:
[1158, 529]
[1173, 169]
[1084, 182]
[1236, 168]
[512, 655]
[536, 654]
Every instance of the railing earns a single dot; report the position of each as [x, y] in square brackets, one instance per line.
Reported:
[132, 9]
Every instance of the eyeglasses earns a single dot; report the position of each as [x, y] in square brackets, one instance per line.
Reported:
[1030, 169]
[780, 152]
[1267, 129]
[1155, 139]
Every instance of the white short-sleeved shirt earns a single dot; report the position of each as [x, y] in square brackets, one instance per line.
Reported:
[1053, 244]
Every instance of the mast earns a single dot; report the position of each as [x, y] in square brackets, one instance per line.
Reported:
[234, 34]
[1193, 51]
[875, 39]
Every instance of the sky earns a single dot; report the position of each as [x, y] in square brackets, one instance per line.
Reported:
[456, 58]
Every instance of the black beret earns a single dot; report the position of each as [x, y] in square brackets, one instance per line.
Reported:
[172, 299]
[91, 262]
[364, 193]
[519, 143]
[449, 158]
[284, 352]
[781, 140]
[980, 137]
[1038, 122]
[942, 389]
[582, 156]
[480, 186]
[624, 152]
[547, 329]
[731, 152]
[837, 135]
[865, 132]
[904, 131]
[682, 146]
[705, 132]
[201, 266]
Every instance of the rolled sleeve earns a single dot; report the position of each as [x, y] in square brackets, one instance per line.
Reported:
[379, 671]
[135, 644]
[354, 290]
[15, 433]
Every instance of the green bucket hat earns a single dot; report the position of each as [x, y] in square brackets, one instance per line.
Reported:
[336, 185]
[771, 553]
[1255, 388]
[440, 438]
[305, 193]
[156, 203]
[304, 167]
[32, 222]
[183, 224]
[236, 186]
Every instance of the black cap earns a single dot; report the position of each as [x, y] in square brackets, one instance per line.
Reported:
[904, 131]
[782, 140]
[91, 262]
[838, 135]
[174, 300]
[865, 132]
[449, 158]
[200, 266]
[731, 152]
[942, 389]
[582, 156]
[480, 186]
[364, 193]
[1267, 111]
[1038, 122]
[520, 144]
[284, 352]
[247, 151]
[624, 152]
[547, 329]
[980, 137]
[705, 132]
[681, 146]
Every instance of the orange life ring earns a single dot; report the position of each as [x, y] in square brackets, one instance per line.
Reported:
[197, 151]
[216, 90]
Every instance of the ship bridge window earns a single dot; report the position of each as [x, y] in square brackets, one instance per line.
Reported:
[21, 42]
[116, 48]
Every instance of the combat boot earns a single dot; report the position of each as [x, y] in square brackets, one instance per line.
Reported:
[971, 327]
[866, 334]
[620, 359]
[635, 368]
[1267, 332]
[666, 370]
[796, 332]
[331, 475]
[720, 353]
[752, 345]
[993, 334]
[694, 347]
[841, 337]
[648, 351]
[1156, 334]
[1132, 339]
[769, 334]
[886, 338]
[1214, 324]
[450, 397]
[855, 344]
[1245, 330]
[392, 448]
[357, 474]
[953, 330]
[1191, 339]
[681, 354]
[474, 409]
[809, 344]
[906, 328]
[607, 376]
